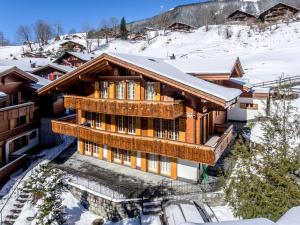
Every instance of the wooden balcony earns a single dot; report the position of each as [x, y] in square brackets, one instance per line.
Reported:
[16, 111]
[156, 109]
[176, 149]
[18, 130]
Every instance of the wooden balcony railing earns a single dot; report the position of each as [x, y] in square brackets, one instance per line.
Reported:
[18, 130]
[176, 149]
[157, 109]
[16, 111]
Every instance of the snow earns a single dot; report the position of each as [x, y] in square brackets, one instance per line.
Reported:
[2, 94]
[201, 65]
[291, 217]
[5, 68]
[158, 65]
[174, 215]
[223, 213]
[76, 213]
[131, 221]
[191, 213]
[80, 55]
[150, 220]
[24, 63]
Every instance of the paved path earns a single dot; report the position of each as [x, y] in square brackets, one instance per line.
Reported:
[129, 182]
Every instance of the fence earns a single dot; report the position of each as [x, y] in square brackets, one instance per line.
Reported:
[284, 81]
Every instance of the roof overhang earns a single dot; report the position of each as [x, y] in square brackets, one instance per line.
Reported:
[19, 73]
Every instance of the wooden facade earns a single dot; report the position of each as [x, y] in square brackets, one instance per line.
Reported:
[177, 26]
[239, 16]
[278, 12]
[69, 59]
[18, 111]
[125, 113]
[49, 72]
[72, 46]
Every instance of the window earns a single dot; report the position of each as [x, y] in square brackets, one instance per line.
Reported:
[98, 120]
[120, 90]
[152, 162]
[248, 106]
[127, 159]
[13, 98]
[95, 149]
[159, 133]
[130, 90]
[104, 89]
[131, 125]
[165, 165]
[120, 120]
[150, 91]
[89, 118]
[173, 129]
[87, 147]
[117, 154]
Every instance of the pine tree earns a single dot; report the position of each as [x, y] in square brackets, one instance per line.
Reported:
[263, 181]
[123, 29]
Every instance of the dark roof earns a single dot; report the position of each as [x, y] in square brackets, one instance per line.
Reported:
[240, 11]
[278, 4]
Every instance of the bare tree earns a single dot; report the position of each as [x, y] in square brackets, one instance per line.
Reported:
[43, 32]
[58, 28]
[105, 28]
[86, 30]
[114, 24]
[24, 35]
[3, 40]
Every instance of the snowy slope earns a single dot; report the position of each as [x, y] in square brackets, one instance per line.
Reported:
[264, 55]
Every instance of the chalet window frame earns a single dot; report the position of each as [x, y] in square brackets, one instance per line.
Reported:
[117, 155]
[130, 90]
[131, 125]
[251, 106]
[173, 129]
[120, 124]
[150, 91]
[126, 157]
[153, 162]
[165, 165]
[104, 89]
[95, 148]
[120, 89]
[87, 146]
[98, 120]
[159, 128]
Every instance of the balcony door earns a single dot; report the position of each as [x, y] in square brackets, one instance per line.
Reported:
[153, 163]
[150, 91]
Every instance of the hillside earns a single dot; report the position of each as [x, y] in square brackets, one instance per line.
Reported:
[210, 12]
[265, 55]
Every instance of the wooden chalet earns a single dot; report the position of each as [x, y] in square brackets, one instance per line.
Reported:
[239, 16]
[144, 113]
[52, 71]
[183, 27]
[69, 45]
[74, 59]
[278, 12]
[34, 55]
[18, 113]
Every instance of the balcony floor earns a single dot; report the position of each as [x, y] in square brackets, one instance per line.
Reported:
[129, 182]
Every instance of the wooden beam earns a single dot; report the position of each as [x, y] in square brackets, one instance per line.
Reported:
[119, 78]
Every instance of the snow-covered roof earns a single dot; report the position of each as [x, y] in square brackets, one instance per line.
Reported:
[40, 83]
[198, 65]
[164, 68]
[241, 81]
[2, 94]
[261, 90]
[291, 217]
[25, 64]
[83, 56]
[63, 68]
[258, 221]
[4, 70]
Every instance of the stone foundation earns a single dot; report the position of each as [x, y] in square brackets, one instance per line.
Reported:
[108, 208]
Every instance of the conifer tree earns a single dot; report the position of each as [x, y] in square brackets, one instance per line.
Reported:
[123, 29]
[264, 181]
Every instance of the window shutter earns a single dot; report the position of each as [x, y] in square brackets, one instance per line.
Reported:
[111, 92]
[137, 90]
[138, 126]
[182, 128]
[157, 91]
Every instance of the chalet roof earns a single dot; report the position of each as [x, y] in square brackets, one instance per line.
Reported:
[243, 12]
[74, 42]
[5, 70]
[197, 65]
[25, 64]
[79, 55]
[41, 82]
[191, 26]
[161, 70]
[280, 3]
[61, 68]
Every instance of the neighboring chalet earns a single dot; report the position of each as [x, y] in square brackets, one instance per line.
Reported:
[74, 59]
[181, 27]
[73, 46]
[52, 71]
[278, 12]
[34, 55]
[144, 113]
[18, 113]
[136, 37]
[229, 72]
[239, 16]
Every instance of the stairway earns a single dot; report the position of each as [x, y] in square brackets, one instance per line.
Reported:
[23, 197]
[152, 206]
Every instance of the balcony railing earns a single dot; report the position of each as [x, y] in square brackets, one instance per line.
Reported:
[157, 109]
[16, 111]
[176, 149]
[18, 130]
